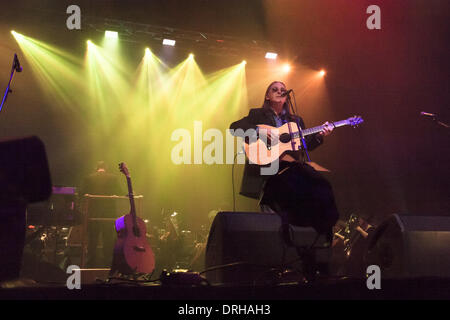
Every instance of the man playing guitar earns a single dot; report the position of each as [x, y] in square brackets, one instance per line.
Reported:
[296, 189]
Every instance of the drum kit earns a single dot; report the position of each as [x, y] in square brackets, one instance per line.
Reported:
[350, 244]
[176, 246]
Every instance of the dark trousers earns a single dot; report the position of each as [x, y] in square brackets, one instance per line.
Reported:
[302, 196]
[105, 231]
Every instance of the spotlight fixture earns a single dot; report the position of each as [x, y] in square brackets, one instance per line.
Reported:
[168, 42]
[271, 55]
[111, 34]
[322, 73]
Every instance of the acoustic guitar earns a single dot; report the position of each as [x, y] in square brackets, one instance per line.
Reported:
[132, 252]
[285, 138]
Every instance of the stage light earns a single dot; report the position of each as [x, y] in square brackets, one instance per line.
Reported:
[322, 73]
[98, 93]
[286, 67]
[191, 55]
[16, 35]
[271, 55]
[244, 62]
[111, 34]
[56, 70]
[168, 42]
[90, 44]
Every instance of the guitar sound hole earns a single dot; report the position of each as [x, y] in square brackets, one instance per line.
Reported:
[285, 137]
[136, 232]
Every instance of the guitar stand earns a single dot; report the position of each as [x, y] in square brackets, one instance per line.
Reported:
[128, 274]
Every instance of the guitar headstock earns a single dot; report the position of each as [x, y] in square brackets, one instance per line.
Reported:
[123, 168]
[355, 121]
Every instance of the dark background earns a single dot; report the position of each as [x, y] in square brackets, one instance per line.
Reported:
[396, 162]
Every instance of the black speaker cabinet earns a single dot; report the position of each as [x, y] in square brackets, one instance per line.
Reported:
[24, 172]
[244, 247]
[406, 246]
[24, 178]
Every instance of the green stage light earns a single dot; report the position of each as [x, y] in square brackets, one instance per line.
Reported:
[130, 112]
[111, 34]
[169, 42]
[57, 71]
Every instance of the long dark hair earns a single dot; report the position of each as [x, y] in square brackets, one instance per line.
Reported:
[266, 103]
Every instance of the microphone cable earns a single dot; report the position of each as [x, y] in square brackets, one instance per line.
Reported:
[232, 180]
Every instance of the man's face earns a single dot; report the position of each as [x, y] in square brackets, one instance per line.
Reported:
[275, 91]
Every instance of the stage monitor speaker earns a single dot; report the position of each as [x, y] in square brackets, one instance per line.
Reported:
[24, 178]
[407, 246]
[245, 247]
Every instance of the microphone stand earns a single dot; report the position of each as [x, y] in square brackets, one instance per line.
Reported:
[14, 68]
[441, 123]
[302, 138]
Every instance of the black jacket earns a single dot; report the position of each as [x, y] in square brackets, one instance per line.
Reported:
[253, 181]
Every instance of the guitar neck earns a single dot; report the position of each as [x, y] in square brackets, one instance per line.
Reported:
[131, 197]
[313, 130]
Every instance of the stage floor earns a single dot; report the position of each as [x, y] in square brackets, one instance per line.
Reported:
[324, 289]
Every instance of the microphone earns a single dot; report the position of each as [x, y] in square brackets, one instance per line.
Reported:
[17, 64]
[286, 93]
[433, 115]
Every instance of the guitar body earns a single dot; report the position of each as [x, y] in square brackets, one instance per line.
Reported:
[132, 253]
[262, 153]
